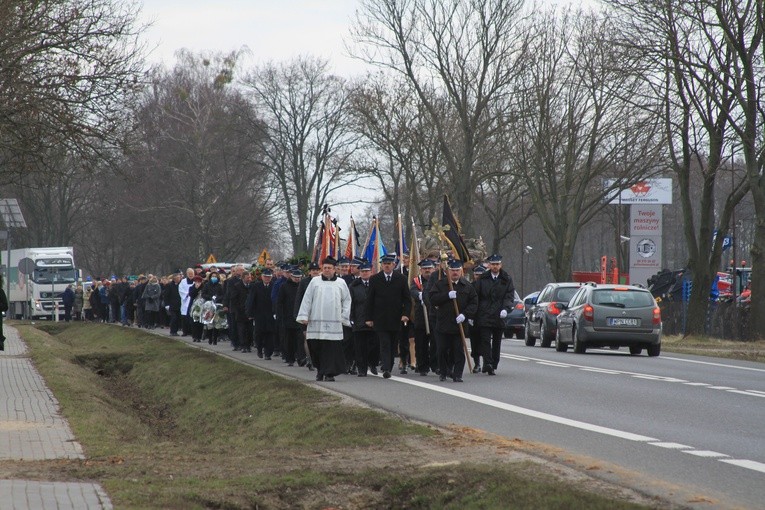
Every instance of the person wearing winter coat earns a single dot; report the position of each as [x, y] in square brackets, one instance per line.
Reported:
[325, 309]
[79, 300]
[496, 297]
[67, 298]
[151, 296]
[451, 354]
[366, 345]
[260, 309]
[212, 290]
[172, 300]
[285, 317]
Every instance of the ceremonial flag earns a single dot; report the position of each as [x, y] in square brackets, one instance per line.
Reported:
[351, 247]
[414, 256]
[401, 247]
[452, 235]
[328, 237]
[375, 247]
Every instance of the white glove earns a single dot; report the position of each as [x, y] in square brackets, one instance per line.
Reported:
[452, 294]
[470, 321]
[420, 296]
[167, 307]
[274, 316]
[460, 319]
[502, 314]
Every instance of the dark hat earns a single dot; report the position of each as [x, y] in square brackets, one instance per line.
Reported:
[479, 269]
[454, 264]
[365, 266]
[329, 260]
[296, 272]
[313, 265]
[388, 258]
[267, 272]
[284, 267]
[343, 261]
[426, 263]
[356, 261]
[494, 258]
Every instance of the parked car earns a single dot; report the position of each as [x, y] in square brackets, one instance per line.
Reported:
[515, 322]
[610, 316]
[542, 315]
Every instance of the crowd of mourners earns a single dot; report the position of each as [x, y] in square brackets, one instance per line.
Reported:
[340, 318]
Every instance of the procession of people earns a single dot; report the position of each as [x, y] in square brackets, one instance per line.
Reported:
[339, 319]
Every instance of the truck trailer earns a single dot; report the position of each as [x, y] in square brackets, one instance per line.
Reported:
[37, 294]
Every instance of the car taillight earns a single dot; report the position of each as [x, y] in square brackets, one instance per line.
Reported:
[553, 308]
[519, 306]
[656, 316]
[588, 312]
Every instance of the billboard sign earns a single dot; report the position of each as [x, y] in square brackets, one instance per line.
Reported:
[647, 191]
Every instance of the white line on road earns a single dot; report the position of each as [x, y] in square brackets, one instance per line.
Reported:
[713, 364]
[590, 427]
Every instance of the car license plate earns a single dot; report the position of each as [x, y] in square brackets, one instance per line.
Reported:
[623, 321]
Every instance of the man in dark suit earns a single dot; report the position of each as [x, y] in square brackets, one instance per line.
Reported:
[260, 309]
[387, 306]
[454, 287]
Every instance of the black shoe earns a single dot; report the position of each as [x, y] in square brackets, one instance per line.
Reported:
[174, 334]
[477, 368]
[442, 378]
[424, 374]
[290, 364]
[362, 374]
[490, 370]
[403, 371]
[310, 366]
[319, 377]
[260, 354]
[373, 370]
[267, 358]
[235, 348]
[386, 374]
[301, 363]
[457, 379]
[329, 378]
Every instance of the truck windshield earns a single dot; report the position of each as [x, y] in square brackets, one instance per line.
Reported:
[45, 272]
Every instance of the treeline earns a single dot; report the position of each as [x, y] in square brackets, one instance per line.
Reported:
[518, 113]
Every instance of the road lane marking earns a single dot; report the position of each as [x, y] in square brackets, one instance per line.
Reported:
[672, 446]
[706, 453]
[748, 464]
[713, 364]
[590, 427]
[636, 375]
[528, 412]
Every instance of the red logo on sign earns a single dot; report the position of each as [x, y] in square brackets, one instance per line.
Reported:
[641, 189]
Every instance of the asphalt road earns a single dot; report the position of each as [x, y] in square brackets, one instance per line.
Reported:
[687, 428]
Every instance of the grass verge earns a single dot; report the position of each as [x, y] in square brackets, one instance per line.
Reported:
[706, 346]
[166, 426]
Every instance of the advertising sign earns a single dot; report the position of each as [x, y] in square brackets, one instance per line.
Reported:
[645, 242]
[648, 191]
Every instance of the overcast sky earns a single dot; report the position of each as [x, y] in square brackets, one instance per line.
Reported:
[272, 29]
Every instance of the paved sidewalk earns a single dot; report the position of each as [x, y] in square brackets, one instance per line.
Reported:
[32, 429]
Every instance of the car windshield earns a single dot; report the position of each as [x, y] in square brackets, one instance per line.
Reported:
[564, 294]
[622, 298]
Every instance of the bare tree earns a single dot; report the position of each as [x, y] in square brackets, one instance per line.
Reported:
[401, 153]
[466, 51]
[306, 139]
[692, 68]
[68, 70]
[196, 175]
[578, 125]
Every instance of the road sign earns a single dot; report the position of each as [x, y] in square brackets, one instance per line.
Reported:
[26, 265]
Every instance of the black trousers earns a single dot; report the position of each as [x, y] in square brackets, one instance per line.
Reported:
[349, 346]
[403, 345]
[243, 337]
[264, 342]
[293, 337]
[491, 345]
[175, 319]
[423, 347]
[388, 341]
[366, 349]
[451, 355]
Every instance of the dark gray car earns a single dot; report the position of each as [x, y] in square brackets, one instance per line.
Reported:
[610, 316]
[542, 315]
